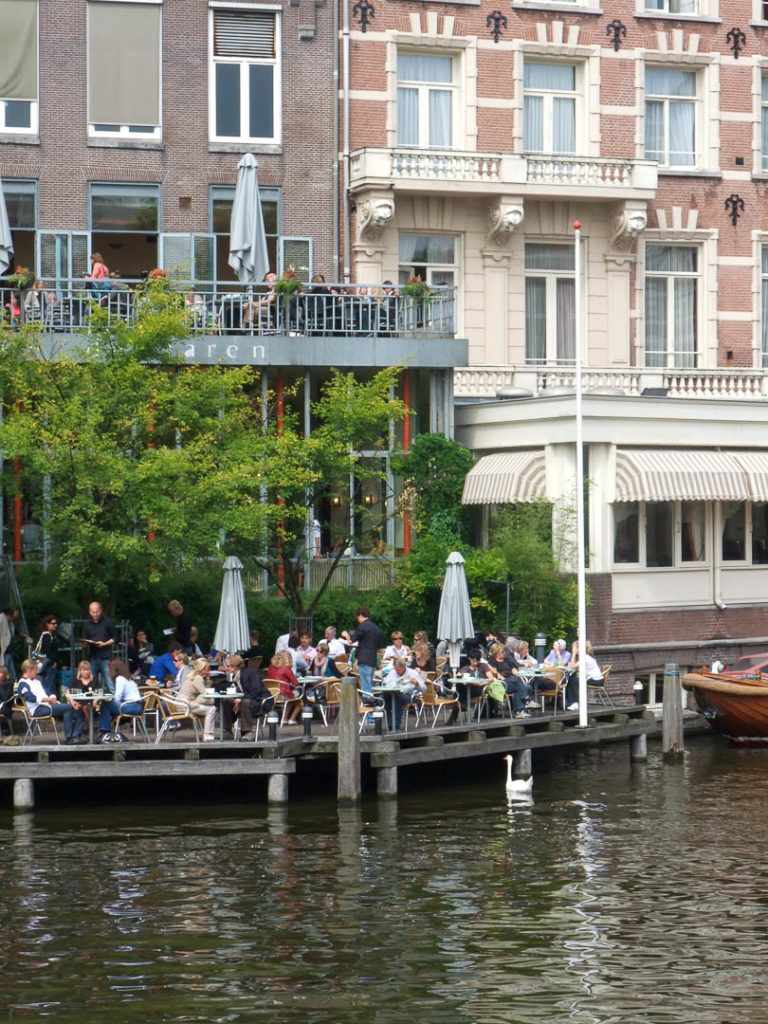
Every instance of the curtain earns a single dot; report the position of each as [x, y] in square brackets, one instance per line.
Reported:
[541, 256]
[553, 77]
[533, 124]
[18, 49]
[626, 544]
[407, 117]
[682, 132]
[566, 319]
[422, 67]
[692, 531]
[563, 124]
[764, 124]
[685, 322]
[420, 249]
[764, 323]
[535, 320]
[440, 118]
[655, 321]
[124, 63]
[654, 130]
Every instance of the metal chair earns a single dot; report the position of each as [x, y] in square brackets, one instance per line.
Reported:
[555, 677]
[137, 717]
[35, 723]
[429, 699]
[172, 709]
[600, 687]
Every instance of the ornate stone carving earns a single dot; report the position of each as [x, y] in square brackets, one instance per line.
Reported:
[505, 215]
[627, 225]
[373, 215]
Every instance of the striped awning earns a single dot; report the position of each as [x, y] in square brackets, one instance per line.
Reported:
[505, 478]
[755, 466]
[674, 474]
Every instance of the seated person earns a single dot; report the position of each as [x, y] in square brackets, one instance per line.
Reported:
[140, 654]
[165, 666]
[256, 699]
[410, 684]
[40, 704]
[559, 655]
[305, 649]
[397, 649]
[423, 660]
[193, 685]
[524, 656]
[84, 682]
[300, 662]
[255, 650]
[475, 669]
[262, 311]
[324, 664]
[593, 671]
[6, 700]
[518, 689]
[281, 671]
[126, 700]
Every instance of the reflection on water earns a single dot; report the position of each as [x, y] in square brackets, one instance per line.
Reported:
[619, 894]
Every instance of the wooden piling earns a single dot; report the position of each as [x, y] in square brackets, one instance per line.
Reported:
[638, 747]
[523, 764]
[23, 794]
[348, 788]
[672, 721]
[277, 789]
[386, 782]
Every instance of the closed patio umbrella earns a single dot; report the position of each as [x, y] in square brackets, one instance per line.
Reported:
[232, 628]
[247, 239]
[454, 622]
[6, 242]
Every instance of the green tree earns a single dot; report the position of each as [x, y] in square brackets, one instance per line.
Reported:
[433, 475]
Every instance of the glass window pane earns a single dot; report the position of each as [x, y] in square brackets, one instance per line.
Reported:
[667, 82]
[655, 322]
[535, 319]
[760, 533]
[734, 531]
[422, 67]
[626, 532]
[682, 133]
[659, 523]
[533, 124]
[558, 77]
[427, 249]
[18, 114]
[566, 319]
[440, 118]
[764, 89]
[124, 208]
[563, 125]
[269, 212]
[228, 100]
[20, 206]
[654, 130]
[540, 256]
[407, 117]
[261, 101]
[692, 535]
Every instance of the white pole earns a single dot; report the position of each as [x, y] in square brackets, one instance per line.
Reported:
[580, 553]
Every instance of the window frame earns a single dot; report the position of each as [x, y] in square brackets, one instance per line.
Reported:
[678, 563]
[126, 188]
[671, 352]
[665, 99]
[433, 267]
[551, 277]
[244, 63]
[423, 90]
[34, 104]
[548, 97]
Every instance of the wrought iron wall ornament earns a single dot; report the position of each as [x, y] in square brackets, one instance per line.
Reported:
[736, 40]
[365, 12]
[618, 30]
[736, 204]
[499, 21]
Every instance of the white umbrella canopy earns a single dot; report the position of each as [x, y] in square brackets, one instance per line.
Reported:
[6, 242]
[247, 239]
[232, 628]
[454, 622]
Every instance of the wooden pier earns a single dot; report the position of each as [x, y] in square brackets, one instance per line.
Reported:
[280, 758]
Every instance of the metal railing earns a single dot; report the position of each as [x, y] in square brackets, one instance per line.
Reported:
[213, 307]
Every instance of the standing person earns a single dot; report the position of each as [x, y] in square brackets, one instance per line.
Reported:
[368, 639]
[99, 636]
[99, 274]
[126, 700]
[336, 647]
[48, 648]
[8, 630]
[183, 628]
[41, 704]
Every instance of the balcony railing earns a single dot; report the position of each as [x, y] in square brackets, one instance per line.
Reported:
[536, 174]
[488, 381]
[213, 308]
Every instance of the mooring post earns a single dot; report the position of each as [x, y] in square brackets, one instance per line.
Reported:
[523, 764]
[638, 747]
[386, 782]
[672, 721]
[277, 789]
[348, 783]
[23, 794]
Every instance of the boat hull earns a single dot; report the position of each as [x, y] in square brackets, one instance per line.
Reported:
[737, 708]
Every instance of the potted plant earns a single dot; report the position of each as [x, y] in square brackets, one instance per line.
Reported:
[416, 294]
[287, 286]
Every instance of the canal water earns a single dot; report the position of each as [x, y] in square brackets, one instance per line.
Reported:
[620, 894]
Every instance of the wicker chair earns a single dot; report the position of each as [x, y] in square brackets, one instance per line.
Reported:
[137, 717]
[172, 709]
[437, 704]
[600, 687]
[553, 686]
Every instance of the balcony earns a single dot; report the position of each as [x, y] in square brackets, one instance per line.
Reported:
[487, 381]
[331, 324]
[572, 177]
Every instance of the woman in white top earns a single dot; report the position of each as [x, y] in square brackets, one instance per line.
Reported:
[397, 649]
[126, 700]
[593, 672]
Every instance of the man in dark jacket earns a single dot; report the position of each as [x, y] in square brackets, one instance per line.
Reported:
[256, 699]
[369, 640]
[99, 635]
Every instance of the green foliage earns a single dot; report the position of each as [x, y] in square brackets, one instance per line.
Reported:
[433, 478]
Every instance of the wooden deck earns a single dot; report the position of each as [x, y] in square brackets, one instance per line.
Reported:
[179, 755]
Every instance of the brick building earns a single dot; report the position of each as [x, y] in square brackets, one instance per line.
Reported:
[479, 134]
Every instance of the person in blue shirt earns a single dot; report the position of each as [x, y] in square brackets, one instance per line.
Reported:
[165, 665]
[127, 700]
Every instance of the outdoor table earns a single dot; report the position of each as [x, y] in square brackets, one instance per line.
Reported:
[390, 692]
[90, 697]
[467, 681]
[227, 695]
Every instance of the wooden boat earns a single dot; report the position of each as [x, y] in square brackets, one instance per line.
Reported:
[737, 707]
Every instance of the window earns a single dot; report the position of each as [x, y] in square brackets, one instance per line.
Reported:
[124, 69]
[672, 6]
[764, 303]
[671, 281]
[433, 258]
[125, 221]
[245, 77]
[744, 534]
[670, 117]
[550, 301]
[549, 108]
[425, 100]
[764, 123]
[659, 534]
[21, 206]
[18, 67]
[221, 197]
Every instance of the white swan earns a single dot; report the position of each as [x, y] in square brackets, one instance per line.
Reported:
[517, 787]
